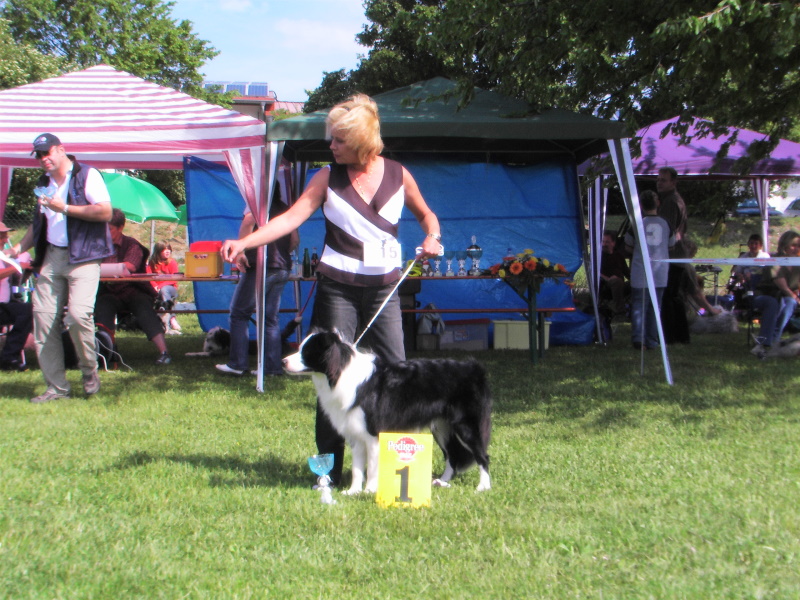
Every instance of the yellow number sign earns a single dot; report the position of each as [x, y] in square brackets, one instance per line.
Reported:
[404, 469]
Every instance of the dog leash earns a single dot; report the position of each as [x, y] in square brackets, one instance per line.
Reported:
[394, 289]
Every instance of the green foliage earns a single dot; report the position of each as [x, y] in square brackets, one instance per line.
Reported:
[736, 62]
[21, 63]
[178, 482]
[136, 36]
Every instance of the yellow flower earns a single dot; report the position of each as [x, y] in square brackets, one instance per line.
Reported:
[545, 262]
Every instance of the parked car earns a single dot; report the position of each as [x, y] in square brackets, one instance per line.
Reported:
[793, 210]
[749, 208]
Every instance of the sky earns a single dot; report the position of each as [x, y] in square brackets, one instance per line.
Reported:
[285, 43]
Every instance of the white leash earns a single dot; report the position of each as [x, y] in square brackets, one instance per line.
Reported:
[397, 285]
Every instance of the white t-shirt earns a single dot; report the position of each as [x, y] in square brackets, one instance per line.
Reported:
[96, 192]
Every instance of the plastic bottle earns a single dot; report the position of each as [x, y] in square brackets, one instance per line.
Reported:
[295, 263]
[306, 263]
[314, 262]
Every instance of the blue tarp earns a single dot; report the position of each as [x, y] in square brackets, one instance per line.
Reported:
[503, 206]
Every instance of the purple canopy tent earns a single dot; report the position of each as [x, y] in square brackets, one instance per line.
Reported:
[697, 159]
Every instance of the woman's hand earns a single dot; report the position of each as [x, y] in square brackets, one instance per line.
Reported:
[430, 247]
[231, 249]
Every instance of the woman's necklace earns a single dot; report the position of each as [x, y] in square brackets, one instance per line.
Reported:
[357, 181]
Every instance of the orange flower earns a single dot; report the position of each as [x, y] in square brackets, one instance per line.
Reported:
[560, 267]
[530, 265]
[494, 269]
[515, 268]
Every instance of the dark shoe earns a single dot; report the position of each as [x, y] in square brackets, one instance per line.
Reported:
[13, 365]
[164, 359]
[48, 396]
[229, 370]
[91, 383]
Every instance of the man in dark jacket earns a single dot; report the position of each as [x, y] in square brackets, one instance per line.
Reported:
[71, 237]
[137, 298]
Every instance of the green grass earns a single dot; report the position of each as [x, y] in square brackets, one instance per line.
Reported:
[178, 483]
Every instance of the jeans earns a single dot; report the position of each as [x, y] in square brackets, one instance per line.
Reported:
[642, 310]
[243, 305]
[168, 293]
[775, 314]
[349, 308]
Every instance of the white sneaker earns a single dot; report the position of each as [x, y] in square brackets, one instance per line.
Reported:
[229, 370]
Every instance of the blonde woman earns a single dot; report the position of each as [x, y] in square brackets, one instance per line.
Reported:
[362, 196]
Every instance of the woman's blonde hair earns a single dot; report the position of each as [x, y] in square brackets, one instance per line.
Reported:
[356, 121]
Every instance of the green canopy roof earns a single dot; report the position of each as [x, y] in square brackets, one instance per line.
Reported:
[492, 127]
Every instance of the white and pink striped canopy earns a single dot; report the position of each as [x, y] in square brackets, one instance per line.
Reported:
[111, 119]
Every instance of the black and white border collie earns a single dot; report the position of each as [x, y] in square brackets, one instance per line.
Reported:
[363, 396]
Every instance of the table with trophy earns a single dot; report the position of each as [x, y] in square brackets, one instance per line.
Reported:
[455, 268]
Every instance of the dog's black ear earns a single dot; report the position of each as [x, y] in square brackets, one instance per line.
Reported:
[337, 356]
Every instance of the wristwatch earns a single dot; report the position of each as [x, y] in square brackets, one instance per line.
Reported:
[436, 236]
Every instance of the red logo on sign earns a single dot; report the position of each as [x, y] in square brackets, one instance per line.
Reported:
[406, 448]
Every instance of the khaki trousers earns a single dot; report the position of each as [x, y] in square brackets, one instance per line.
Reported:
[61, 284]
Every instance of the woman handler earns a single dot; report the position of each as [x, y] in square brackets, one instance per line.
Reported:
[362, 196]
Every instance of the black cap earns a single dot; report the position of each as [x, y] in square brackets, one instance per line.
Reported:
[44, 142]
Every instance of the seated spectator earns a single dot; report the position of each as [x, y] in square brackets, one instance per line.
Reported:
[134, 297]
[162, 263]
[614, 275]
[691, 288]
[745, 279]
[684, 297]
[14, 313]
[777, 295]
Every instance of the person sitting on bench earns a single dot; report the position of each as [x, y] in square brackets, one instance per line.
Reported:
[134, 297]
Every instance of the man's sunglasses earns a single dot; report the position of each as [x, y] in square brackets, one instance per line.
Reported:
[41, 154]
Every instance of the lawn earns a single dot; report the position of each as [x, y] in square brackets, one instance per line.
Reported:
[178, 483]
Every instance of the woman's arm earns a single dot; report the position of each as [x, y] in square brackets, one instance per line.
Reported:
[306, 205]
[783, 286]
[426, 217]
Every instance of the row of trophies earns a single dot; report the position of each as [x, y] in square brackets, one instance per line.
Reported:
[473, 252]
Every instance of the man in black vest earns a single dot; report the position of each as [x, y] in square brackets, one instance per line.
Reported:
[71, 236]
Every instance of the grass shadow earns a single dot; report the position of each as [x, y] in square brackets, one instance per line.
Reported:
[271, 471]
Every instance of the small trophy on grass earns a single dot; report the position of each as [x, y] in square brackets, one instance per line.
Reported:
[321, 465]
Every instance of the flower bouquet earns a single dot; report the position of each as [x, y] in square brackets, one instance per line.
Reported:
[525, 271]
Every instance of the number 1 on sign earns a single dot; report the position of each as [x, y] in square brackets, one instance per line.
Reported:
[403, 497]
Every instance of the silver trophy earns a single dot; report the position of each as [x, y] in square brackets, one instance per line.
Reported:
[475, 252]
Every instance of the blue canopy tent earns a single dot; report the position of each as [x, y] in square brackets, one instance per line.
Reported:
[490, 170]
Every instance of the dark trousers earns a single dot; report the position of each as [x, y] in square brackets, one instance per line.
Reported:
[349, 308]
[108, 306]
[20, 316]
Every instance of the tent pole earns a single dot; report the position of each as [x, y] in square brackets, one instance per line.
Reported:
[621, 155]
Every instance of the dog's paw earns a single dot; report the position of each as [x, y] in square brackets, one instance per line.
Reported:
[483, 487]
[352, 492]
[440, 483]
[370, 489]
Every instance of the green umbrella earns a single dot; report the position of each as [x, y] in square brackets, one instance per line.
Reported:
[139, 200]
